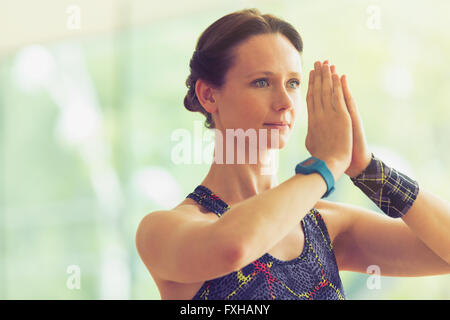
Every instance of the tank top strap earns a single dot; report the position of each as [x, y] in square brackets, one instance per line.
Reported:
[209, 200]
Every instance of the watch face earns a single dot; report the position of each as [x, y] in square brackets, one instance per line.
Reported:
[308, 162]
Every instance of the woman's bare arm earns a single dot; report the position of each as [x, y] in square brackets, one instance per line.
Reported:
[429, 219]
[256, 224]
[368, 238]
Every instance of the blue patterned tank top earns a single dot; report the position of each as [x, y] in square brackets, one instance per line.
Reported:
[312, 275]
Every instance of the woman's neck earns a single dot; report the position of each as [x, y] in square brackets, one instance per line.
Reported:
[234, 183]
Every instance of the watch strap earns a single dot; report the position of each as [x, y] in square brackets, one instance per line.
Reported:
[321, 168]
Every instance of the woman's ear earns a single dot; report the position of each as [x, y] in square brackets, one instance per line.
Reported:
[205, 95]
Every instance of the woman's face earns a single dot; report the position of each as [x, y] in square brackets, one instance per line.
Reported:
[262, 87]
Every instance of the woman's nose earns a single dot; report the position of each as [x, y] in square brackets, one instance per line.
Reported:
[283, 100]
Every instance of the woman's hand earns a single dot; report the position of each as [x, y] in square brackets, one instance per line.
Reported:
[329, 136]
[361, 155]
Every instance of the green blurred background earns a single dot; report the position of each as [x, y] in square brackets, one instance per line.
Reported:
[91, 92]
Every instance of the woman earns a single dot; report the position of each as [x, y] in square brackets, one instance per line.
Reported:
[240, 234]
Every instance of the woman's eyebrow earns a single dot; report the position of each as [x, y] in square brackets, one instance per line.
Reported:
[269, 73]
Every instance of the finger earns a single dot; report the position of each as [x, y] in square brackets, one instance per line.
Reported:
[338, 95]
[333, 68]
[309, 94]
[357, 123]
[349, 101]
[317, 91]
[310, 100]
[347, 94]
[326, 87]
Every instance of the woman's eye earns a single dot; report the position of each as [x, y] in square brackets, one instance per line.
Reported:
[259, 80]
[297, 82]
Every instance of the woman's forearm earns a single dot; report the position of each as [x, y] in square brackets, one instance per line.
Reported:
[429, 218]
[256, 224]
[399, 196]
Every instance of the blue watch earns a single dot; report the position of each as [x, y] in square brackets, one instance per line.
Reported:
[313, 164]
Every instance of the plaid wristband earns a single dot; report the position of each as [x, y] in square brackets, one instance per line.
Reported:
[393, 192]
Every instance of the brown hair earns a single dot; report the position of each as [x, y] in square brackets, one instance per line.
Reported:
[213, 55]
